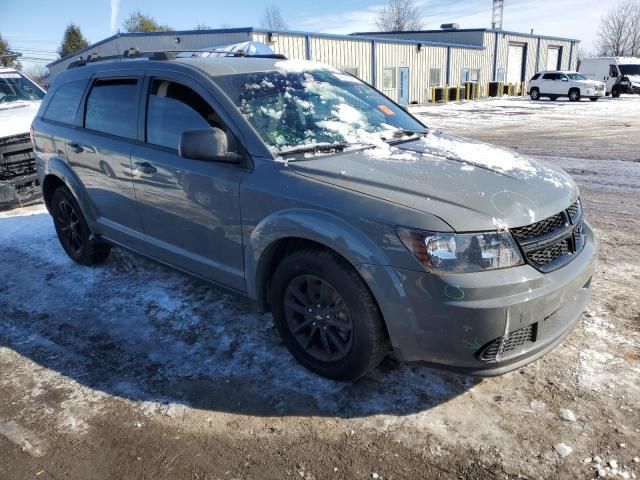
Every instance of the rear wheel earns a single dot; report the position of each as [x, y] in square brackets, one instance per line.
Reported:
[73, 231]
[534, 94]
[574, 95]
[326, 315]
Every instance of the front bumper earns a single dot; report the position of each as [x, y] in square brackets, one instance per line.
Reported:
[484, 323]
[19, 191]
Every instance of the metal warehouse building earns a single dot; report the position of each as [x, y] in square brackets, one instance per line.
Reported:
[404, 65]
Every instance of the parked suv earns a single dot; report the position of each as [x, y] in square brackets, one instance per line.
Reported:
[19, 101]
[564, 84]
[313, 194]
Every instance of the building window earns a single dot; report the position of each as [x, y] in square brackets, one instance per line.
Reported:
[500, 75]
[465, 77]
[389, 79]
[434, 77]
[351, 70]
[475, 75]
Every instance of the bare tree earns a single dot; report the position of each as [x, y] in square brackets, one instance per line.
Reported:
[272, 18]
[37, 73]
[399, 16]
[619, 33]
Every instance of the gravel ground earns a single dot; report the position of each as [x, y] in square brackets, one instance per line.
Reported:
[130, 370]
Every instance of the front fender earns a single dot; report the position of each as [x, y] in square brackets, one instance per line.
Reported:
[320, 227]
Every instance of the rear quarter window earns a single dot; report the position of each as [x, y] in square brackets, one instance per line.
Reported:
[535, 77]
[112, 107]
[64, 104]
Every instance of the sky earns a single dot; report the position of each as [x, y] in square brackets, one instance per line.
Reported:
[38, 31]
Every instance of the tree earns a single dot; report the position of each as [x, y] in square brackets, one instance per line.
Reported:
[272, 18]
[399, 16]
[139, 22]
[619, 33]
[72, 41]
[37, 73]
[6, 60]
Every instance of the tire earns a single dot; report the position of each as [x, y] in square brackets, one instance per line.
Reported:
[73, 232]
[344, 338]
[534, 94]
[574, 95]
[615, 92]
[593, 99]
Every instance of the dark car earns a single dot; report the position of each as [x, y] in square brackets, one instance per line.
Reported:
[320, 199]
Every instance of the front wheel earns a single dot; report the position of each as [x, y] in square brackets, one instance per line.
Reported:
[574, 95]
[326, 315]
[615, 92]
[73, 231]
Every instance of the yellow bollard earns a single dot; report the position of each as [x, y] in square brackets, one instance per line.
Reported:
[458, 93]
[524, 91]
[501, 92]
[433, 94]
[487, 90]
[446, 94]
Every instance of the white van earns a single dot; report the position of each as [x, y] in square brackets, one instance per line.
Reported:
[620, 74]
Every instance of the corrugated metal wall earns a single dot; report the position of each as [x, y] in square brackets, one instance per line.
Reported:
[152, 43]
[293, 46]
[356, 52]
[341, 53]
[395, 55]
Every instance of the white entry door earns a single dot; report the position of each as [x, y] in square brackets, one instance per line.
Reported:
[553, 58]
[514, 63]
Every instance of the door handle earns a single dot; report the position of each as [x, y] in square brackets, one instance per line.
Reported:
[144, 167]
[76, 147]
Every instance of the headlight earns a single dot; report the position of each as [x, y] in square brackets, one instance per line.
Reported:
[462, 253]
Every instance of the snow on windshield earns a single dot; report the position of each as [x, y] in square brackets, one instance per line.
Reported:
[302, 106]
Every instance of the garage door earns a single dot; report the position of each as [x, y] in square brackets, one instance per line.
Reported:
[553, 58]
[515, 63]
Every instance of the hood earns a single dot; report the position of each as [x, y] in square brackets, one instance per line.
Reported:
[16, 117]
[633, 78]
[470, 185]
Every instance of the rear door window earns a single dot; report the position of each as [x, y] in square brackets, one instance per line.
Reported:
[112, 107]
[551, 76]
[63, 107]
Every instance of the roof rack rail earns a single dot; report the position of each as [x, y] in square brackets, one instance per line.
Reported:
[134, 53]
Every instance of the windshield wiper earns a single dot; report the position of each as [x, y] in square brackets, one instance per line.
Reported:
[320, 147]
[400, 133]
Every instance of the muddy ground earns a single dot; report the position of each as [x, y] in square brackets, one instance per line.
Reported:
[130, 370]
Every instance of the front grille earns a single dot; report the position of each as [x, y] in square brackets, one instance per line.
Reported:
[553, 242]
[545, 227]
[511, 344]
[16, 157]
[549, 254]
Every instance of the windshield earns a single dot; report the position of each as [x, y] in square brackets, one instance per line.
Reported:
[316, 107]
[14, 87]
[630, 69]
[576, 76]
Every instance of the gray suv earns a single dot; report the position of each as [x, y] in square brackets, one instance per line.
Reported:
[314, 195]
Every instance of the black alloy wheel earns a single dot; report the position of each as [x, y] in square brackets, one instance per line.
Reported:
[318, 318]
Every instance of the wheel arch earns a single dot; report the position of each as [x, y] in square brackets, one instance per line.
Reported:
[284, 232]
[58, 173]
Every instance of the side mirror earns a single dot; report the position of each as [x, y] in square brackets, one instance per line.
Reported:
[565, 79]
[210, 144]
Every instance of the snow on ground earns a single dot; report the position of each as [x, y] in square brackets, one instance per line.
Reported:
[81, 345]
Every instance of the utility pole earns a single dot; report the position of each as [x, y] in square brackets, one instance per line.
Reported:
[496, 19]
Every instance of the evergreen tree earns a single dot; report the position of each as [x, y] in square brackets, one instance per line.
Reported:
[72, 41]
